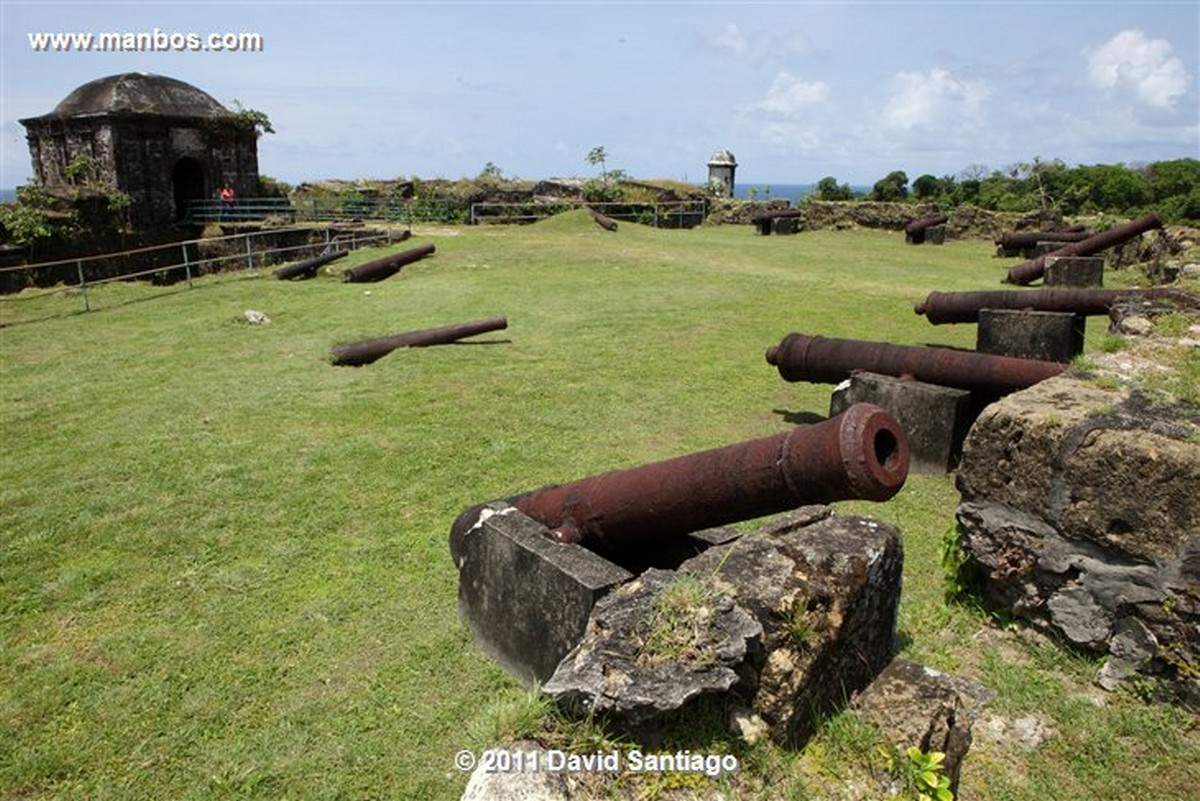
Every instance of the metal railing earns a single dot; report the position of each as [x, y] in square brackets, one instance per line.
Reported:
[674, 214]
[330, 209]
[194, 257]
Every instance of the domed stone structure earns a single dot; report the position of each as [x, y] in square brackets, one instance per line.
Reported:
[721, 167]
[159, 140]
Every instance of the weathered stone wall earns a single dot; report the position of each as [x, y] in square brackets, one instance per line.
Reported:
[1081, 513]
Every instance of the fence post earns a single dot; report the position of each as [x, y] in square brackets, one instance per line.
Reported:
[187, 267]
[249, 254]
[82, 284]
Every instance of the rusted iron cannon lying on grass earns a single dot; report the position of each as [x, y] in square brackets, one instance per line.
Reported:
[308, 268]
[356, 354]
[826, 360]
[603, 220]
[1029, 271]
[964, 307]
[379, 269]
[914, 232]
[862, 453]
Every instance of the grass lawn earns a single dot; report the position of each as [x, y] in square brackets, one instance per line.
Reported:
[223, 562]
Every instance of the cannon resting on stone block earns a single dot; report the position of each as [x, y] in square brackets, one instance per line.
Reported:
[915, 231]
[964, 307]
[860, 454]
[1029, 271]
[827, 360]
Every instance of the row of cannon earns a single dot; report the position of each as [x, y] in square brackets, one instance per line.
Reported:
[862, 453]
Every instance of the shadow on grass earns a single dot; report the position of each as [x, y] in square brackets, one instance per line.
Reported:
[800, 418]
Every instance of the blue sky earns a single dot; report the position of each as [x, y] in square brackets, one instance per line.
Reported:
[796, 90]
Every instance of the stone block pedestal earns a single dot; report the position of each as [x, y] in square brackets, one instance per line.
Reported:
[935, 418]
[1029, 334]
[525, 597]
[1077, 271]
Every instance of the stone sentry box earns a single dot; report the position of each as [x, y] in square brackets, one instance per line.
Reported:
[159, 140]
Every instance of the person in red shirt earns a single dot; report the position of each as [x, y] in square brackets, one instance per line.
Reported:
[226, 201]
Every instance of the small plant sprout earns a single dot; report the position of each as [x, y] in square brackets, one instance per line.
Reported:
[919, 773]
[800, 625]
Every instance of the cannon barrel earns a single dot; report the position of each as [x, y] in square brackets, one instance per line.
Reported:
[780, 214]
[860, 454]
[602, 220]
[308, 267]
[1029, 271]
[385, 267]
[827, 360]
[1027, 239]
[356, 354]
[921, 223]
[964, 307]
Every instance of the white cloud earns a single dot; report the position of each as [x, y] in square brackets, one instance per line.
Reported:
[759, 46]
[730, 40]
[1131, 59]
[933, 99]
[789, 95]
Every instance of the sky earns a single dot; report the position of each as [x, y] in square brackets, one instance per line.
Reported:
[797, 91]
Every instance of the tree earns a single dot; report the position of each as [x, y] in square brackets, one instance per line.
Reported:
[491, 172]
[597, 156]
[829, 189]
[926, 187]
[27, 220]
[892, 187]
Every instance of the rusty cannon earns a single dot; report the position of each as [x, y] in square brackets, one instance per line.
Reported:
[308, 267]
[827, 360]
[862, 453]
[779, 221]
[941, 308]
[379, 269]
[602, 220]
[1017, 241]
[356, 354]
[1028, 271]
[914, 232]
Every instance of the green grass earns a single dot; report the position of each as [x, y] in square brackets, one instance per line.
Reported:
[223, 562]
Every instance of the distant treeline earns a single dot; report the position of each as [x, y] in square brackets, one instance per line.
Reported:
[1172, 188]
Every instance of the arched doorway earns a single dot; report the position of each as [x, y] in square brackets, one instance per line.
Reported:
[187, 181]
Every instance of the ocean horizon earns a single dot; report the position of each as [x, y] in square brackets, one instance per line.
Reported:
[768, 191]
